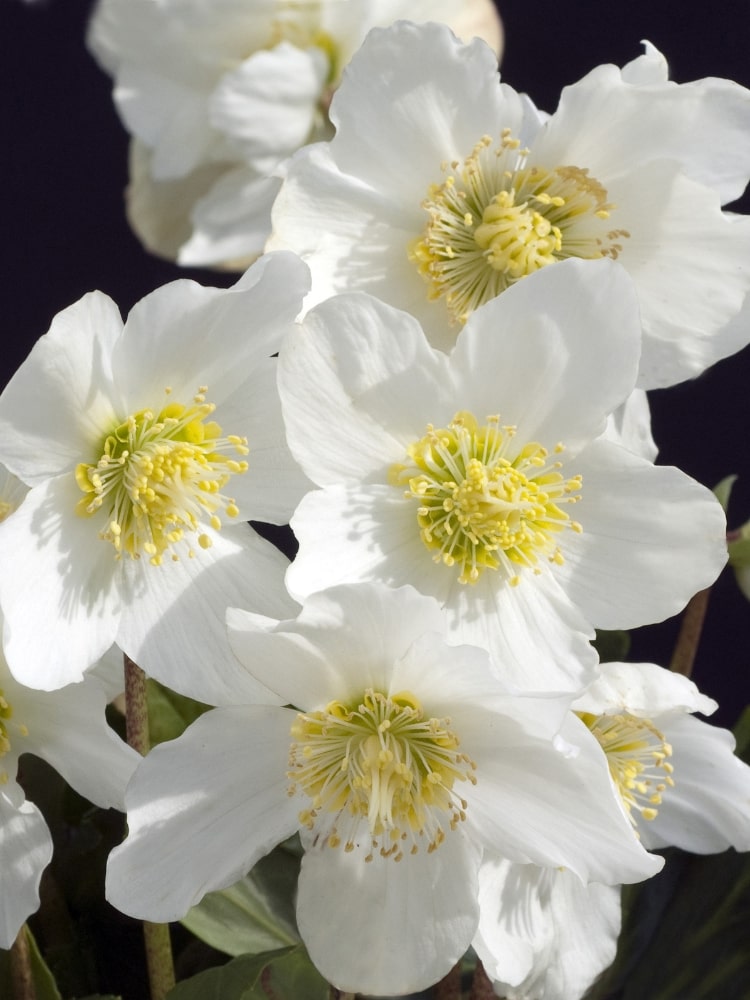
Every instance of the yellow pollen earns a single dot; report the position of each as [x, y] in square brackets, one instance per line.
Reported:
[160, 476]
[494, 219]
[378, 768]
[8, 723]
[638, 759]
[485, 501]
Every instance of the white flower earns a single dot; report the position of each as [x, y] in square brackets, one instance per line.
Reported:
[481, 479]
[677, 777]
[542, 934]
[216, 93]
[405, 760]
[135, 440]
[630, 426]
[459, 187]
[67, 729]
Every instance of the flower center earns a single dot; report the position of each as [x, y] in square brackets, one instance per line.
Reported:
[160, 476]
[494, 220]
[484, 502]
[6, 714]
[637, 755]
[379, 762]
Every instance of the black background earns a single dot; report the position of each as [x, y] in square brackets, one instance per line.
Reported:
[63, 171]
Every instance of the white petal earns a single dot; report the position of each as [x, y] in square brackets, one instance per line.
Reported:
[352, 235]
[554, 355]
[170, 116]
[355, 381]
[612, 127]
[708, 810]
[389, 928]
[58, 401]
[651, 538]
[369, 533]
[68, 729]
[202, 810]
[231, 221]
[691, 266]
[174, 625]
[537, 638]
[267, 106]
[542, 933]
[534, 804]
[159, 212]
[274, 484]
[630, 426]
[651, 67]
[184, 336]
[415, 121]
[345, 640]
[25, 851]
[642, 689]
[56, 570]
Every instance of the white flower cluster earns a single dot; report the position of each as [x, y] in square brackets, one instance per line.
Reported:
[452, 418]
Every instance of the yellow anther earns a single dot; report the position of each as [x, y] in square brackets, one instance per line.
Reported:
[381, 762]
[636, 754]
[159, 477]
[494, 220]
[484, 503]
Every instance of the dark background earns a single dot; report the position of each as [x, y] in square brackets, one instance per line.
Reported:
[63, 170]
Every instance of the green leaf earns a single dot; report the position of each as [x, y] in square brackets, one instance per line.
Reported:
[722, 490]
[612, 646]
[233, 981]
[742, 736]
[169, 714]
[44, 982]
[686, 933]
[253, 915]
[290, 977]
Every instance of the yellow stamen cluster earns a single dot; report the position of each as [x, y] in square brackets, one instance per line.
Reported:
[638, 759]
[378, 765]
[159, 476]
[484, 501]
[494, 220]
[6, 714]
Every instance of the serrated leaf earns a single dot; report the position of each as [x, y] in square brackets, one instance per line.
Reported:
[233, 981]
[169, 714]
[290, 977]
[612, 646]
[44, 981]
[253, 915]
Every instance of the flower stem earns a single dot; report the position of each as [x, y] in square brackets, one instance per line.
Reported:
[449, 987]
[22, 979]
[156, 938]
[481, 987]
[686, 646]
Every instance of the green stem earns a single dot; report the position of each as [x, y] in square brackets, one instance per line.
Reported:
[156, 938]
[686, 646]
[22, 979]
